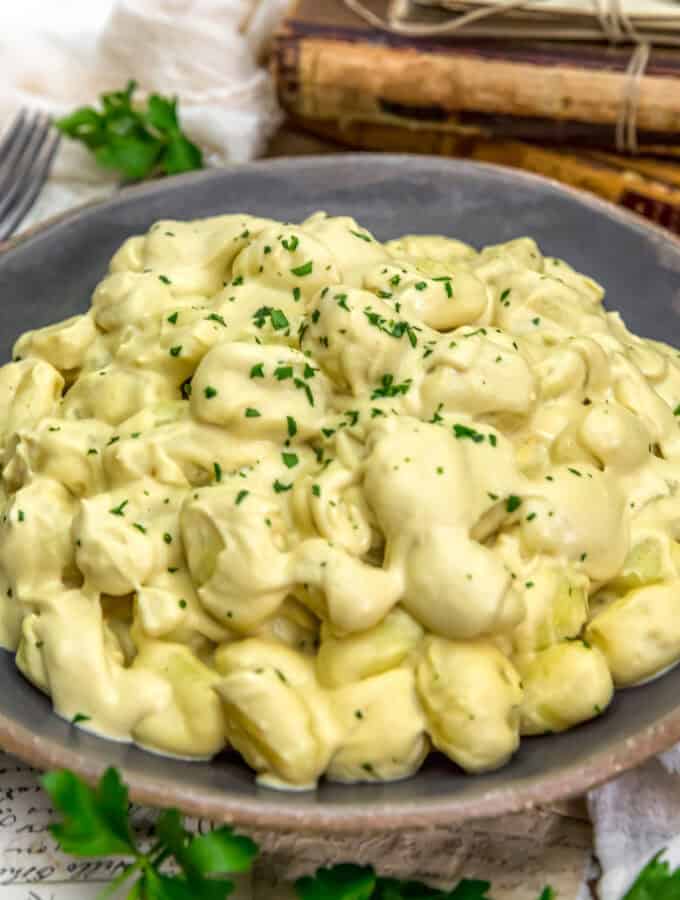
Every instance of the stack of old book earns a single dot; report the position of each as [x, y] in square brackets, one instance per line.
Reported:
[585, 91]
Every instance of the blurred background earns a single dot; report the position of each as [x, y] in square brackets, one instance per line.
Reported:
[584, 91]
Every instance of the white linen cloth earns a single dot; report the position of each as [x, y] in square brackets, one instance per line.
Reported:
[56, 56]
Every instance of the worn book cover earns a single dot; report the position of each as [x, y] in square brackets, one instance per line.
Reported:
[331, 65]
[648, 186]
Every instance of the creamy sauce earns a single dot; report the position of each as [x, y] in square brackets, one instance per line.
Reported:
[334, 502]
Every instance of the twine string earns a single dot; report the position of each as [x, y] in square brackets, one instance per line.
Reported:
[613, 19]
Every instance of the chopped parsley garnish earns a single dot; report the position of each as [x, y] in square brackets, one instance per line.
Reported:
[120, 509]
[328, 432]
[185, 388]
[292, 426]
[175, 351]
[512, 503]
[297, 293]
[257, 371]
[395, 279]
[384, 295]
[114, 439]
[358, 234]
[316, 490]
[267, 249]
[420, 285]
[217, 469]
[139, 527]
[303, 386]
[342, 301]
[276, 316]
[574, 471]
[80, 717]
[238, 280]
[164, 279]
[92, 451]
[536, 321]
[252, 413]
[182, 604]
[389, 389]
[463, 431]
[279, 487]
[352, 415]
[21, 516]
[493, 440]
[289, 459]
[505, 294]
[304, 269]
[210, 392]
[676, 411]
[167, 537]
[283, 372]
[241, 496]
[216, 317]
[308, 371]
[290, 244]
[172, 319]
[435, 415]
[394, 329]
[531, 517]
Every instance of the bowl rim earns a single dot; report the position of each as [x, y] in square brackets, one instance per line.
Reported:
[521, 795]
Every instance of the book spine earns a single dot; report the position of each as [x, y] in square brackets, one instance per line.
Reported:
[650, 191]
[334, 78]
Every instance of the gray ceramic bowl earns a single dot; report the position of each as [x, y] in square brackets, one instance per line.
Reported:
[50, 275]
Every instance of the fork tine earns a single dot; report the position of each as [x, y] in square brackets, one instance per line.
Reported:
[33, 180]
[11, 185]
[16, 150]
[12, 134]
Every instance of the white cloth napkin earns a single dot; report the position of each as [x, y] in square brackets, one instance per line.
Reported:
[204, 51]
[635, 817]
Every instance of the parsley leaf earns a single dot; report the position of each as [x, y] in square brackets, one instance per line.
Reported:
[512, 503]
[276, 316]
[351, 882]
[655, 882]
[95, 820]
[389, 389]
[138, 142]
[462, 431]
[342, 882]
[290, 459]
[304, 269]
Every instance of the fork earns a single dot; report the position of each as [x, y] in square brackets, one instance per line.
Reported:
[26, 154]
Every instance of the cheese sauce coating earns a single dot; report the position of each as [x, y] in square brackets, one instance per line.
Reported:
[335, 503]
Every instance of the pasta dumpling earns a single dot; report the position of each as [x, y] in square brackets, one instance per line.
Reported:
[334, 503]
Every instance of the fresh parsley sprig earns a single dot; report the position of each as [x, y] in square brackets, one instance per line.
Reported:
[349, 882]
[96, 822]
[135, 141]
